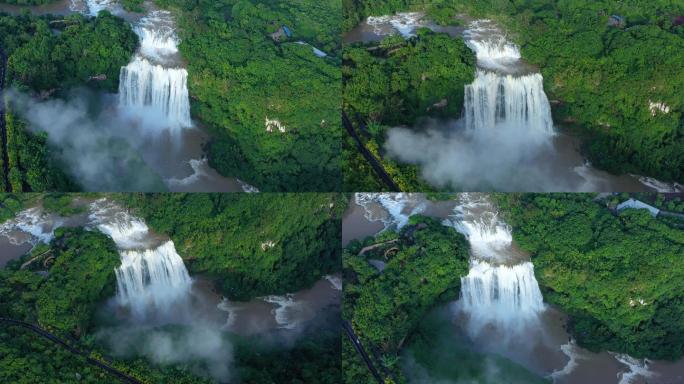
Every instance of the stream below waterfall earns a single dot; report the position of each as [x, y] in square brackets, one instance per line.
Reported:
[506, 139]
[150, 113]
[500, 323]
[162, 312]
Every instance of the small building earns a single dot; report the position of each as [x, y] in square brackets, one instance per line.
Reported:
[283, 31]
[616, 21]
[636, 204]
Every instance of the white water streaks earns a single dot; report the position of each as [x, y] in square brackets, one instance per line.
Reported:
[403, 23]
[392, 209]
[158, 39]
[574, 354]
[335, 281]
[285, 305]
[489, 237]
[152, 280]
[499, 291]
[637, 368]
[492, 48]
[31, 226]
[152, 277]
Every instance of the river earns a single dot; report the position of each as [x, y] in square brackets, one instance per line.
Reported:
[501, 312]
[508, 145]
[162, 312]
[150, 114]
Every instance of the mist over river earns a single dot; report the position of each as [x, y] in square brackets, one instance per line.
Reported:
[499, 329]
[140, 139]
[506, 139]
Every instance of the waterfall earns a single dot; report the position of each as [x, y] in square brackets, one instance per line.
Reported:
[500, 289]
[507, 297]
[152, 277]
[153, 87]
[499, 99]
[154, 91]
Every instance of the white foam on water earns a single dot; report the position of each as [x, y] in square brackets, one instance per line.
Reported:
[405, 23]
[659, 186]
[573, 353]
[157, 34]
[491, 46]
[396, 208]
[637, 368]
[283, 311]
[35, 225]
[199, 170]
[335, 281]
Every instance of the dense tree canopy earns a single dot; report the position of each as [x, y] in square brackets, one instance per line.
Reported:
[240, 79]
[250, 244]
[394, 83]
[44, 62]
[424, 263]
[619, 276]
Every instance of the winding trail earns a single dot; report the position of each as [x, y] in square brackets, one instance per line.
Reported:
[3, 127]
[377, 167]
[49, 336]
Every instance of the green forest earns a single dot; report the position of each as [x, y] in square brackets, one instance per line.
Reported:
[424, 262]
[620, 276]
[60, 286]
[239, 77]
[394, 83]
[612, 71]
[221, 236]
[47, 64]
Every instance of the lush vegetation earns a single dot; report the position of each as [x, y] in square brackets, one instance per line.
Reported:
[315, 358]
[615, 82]
[45, 63]
[240, 78]
[60, 286]
[434, 348]
[620, 277]
[250, 244]
[424, 263]
[394, 83]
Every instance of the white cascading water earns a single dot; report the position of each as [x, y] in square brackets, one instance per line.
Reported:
[396, 210]
[151, 85]
[500, 290]
[152, 277]
[498, 99]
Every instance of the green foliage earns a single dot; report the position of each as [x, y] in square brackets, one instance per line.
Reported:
[133, 5]
[314, 359]
[621, 278]
[43, 61]
[395, 83]
[31, 166]
[606, 77]
[239, 77]
[250, 245]
[435, 346]
[425, 269]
